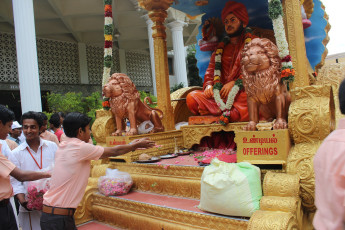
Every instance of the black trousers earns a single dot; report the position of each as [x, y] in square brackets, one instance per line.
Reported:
[7, 218]
[57, 222]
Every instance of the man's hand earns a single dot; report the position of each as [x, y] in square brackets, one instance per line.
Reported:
[118, 150]
[224, 92]
[22, 201]
[25, 205]
[143, 143]
[209, 91]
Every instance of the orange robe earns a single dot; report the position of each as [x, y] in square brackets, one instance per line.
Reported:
[199, 104]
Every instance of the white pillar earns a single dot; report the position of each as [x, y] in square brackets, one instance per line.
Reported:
[152, 51]
[180, 68]
[123, 64]
[29, 83]
[84, 73]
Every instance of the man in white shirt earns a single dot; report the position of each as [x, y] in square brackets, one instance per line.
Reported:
[15, 133]
[34, 154]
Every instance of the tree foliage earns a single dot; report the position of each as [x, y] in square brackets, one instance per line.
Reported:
[193, 71]
[74, 102]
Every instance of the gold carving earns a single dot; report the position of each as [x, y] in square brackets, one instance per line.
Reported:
[300, 161]
[268, 220]
[295, 38]
[157, 13]
[284, 204]
[332, 74]
[123, 212]
[311, 114]
[281, 184]
[103, 125]
[311, 119]
[166, 139]
[192, 134]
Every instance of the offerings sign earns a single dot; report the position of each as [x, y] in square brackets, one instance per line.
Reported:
[263, 147]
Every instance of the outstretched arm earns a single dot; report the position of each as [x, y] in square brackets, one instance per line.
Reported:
[142, 143]
[22, 175]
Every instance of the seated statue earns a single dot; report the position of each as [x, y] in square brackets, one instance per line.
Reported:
[267, 95]
[224, 70]
[125, 103]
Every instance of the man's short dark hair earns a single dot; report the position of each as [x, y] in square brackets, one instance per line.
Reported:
[44, 116]
[55, 120]
[341, 95]
[73, 121]
[6, 114]
[35, 116]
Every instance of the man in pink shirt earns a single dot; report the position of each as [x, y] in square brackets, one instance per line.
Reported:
[329, 167]
[72, 169]
[7, 168]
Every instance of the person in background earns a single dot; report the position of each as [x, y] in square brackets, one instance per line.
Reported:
[34, 154]
[55, 125]
[15, 132]
[62, 117]
[7, 169]
[45, 134]
[68, 186]
[329, 168]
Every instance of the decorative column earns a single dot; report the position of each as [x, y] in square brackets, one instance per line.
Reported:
[180, 68]
[122, 61]
[295, 37]
[152, 54]
[29, 83]
[83, 70]
[158, 14]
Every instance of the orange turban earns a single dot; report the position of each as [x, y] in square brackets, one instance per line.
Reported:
[238, 9]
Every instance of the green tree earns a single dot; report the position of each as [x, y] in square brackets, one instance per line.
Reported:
[74, 102]
[192, 69]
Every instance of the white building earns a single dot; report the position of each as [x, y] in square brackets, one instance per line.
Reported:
[67, 38]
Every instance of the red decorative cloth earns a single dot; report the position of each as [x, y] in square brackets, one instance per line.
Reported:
[238, 9]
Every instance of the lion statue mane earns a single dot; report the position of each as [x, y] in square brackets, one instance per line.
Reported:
[125, 103]
[267, 96]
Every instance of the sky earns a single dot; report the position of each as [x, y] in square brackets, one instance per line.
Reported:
[336, 13]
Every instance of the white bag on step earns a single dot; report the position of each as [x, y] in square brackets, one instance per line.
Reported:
[232, 189]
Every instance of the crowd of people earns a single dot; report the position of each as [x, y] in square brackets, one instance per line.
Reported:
[29, 151]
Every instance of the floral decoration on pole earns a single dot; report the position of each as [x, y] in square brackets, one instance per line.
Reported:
[108, 47]
[275, 12]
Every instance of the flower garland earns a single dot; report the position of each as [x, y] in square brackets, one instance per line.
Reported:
[275, 12]
[217, 85]
[108, 47]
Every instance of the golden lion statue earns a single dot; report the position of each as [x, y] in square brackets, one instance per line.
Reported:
[267, 95]
[125, 103]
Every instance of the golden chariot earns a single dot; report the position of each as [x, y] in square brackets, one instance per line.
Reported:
[288, 192]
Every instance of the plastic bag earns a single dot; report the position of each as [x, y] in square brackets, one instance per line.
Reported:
[115, 183]
[36, 190]
[232, 189]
